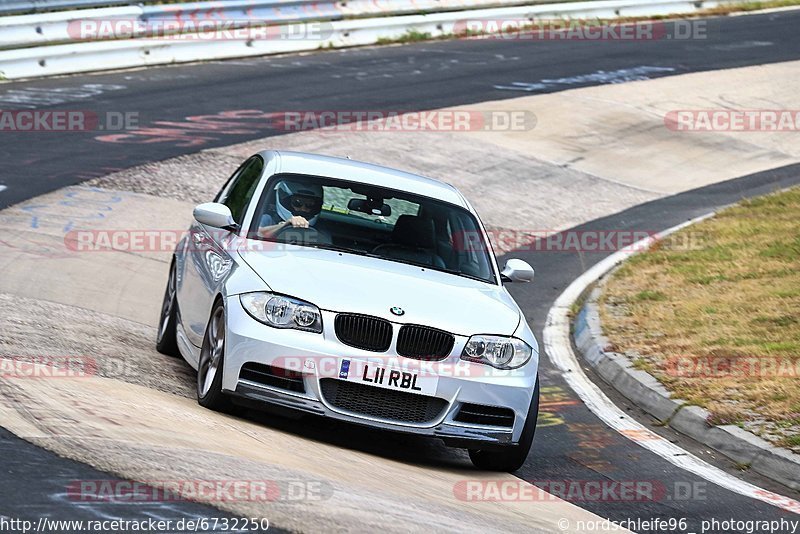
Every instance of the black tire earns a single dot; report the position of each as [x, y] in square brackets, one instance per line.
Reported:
[511, 458]
[212, 360]
[166, 340]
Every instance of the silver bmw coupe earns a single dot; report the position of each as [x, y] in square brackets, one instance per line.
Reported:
[359, 293]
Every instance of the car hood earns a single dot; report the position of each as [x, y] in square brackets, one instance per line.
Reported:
[342, 282]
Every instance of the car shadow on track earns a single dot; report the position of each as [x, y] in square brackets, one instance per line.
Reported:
[416, 450]
[412, 449]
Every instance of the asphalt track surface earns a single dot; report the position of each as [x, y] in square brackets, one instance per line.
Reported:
[412, 77]
[571, 444]
[36, 482]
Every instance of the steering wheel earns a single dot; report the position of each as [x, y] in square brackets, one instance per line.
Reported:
[294, 236]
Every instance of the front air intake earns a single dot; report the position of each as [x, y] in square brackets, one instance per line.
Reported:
[364, 332]
[276, 377]
[478, 414]
[381, 403]
[423, 343]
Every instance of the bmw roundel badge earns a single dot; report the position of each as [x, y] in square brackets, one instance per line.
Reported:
[397, 311]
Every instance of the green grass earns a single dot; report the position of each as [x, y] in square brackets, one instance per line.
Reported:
[735, 296]
[793, 441]
[647, 294]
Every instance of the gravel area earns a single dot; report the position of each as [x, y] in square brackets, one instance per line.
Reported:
[193, 178]
[38, 330]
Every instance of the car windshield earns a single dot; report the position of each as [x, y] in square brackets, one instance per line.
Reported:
[374, 221]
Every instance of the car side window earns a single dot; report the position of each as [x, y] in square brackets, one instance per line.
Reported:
[222, 193]
[240, 190]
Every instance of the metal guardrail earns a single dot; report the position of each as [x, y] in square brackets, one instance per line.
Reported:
[332, 29]
[38, 6]
[165, 19]
[23, 7]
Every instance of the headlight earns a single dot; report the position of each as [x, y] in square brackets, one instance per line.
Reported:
[498, 351]
[282, 312]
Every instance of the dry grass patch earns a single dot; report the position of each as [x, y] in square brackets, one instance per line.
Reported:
[719, 322]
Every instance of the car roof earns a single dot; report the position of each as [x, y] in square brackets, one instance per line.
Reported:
[365, 173]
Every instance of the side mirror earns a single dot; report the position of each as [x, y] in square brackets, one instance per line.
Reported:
[215, 215]
[517, 271]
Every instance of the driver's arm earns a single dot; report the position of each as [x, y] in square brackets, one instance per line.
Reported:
[294, 222]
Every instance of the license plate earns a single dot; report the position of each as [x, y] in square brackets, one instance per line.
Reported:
[374, 374]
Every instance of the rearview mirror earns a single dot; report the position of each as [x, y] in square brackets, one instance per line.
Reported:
[517, 271]
[371, 207]
[215, 215]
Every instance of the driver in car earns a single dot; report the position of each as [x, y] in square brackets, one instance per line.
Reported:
[296, 205]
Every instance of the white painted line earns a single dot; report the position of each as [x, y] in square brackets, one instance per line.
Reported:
[3, 188]
[556, 340]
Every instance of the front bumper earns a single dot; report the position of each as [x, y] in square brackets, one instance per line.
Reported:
[316, 357]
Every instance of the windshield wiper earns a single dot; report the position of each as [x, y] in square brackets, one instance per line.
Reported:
[461, 273]
[348, 250]
[456, 272]
[358, 252]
